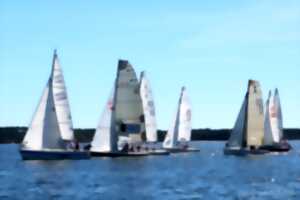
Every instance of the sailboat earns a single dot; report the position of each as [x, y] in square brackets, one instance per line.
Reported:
[179, 134]
[248, 133]
[120, 129]
[273, 140]
[50, 134]
[149, 117]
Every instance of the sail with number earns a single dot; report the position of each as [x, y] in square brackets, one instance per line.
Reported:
[148, 108]
[180, 129]
[61, 101]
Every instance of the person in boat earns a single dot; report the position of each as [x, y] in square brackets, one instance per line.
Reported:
[125, 148]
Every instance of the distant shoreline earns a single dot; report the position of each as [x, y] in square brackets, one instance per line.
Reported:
[16, 134]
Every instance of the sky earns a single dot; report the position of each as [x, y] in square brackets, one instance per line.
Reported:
[211, 47]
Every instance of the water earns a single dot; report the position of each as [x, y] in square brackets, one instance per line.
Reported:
[204, 175]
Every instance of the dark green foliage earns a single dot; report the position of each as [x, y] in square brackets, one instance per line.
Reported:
[16, 134]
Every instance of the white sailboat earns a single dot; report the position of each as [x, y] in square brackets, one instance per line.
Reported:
[179, 133]
[119, 132]
[248, 132]
[273, 140]
[44, 138]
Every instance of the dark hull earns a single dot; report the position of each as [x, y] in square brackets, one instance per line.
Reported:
[53, 155]
[279, 147]
[182, 150]
[119, 154]
[244, 152]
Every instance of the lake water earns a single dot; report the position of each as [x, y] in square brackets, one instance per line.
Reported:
[204, 175]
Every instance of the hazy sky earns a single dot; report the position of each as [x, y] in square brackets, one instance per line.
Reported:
[211, 47]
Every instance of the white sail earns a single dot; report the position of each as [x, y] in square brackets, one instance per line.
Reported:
[237, 134]
[275, 117]
[44, 132]
[61, 101]
[129, 109]
[170, 140]
[185, 123]
[268, 136]
[148, 108]
[105, 138]
[255, 115]
[279, 113]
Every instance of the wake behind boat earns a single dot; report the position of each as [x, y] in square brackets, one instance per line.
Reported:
[179, 134]
[247, 135]
[50, 134]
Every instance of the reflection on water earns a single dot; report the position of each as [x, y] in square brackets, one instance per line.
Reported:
[204, 175]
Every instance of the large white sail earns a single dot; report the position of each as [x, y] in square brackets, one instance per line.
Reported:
[268, 136]
[61, 101]
[44, 132]
[105, 138]
[255, 115]
[185, 123]
[148, 108]
[237, 134]
[129, 109]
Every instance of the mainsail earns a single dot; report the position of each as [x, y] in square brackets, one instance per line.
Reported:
[148, 108]
[255, 115]
[185, 127]
[61, 101]
[180, 129]
[129, 109]
[105, 138]
[44, 132]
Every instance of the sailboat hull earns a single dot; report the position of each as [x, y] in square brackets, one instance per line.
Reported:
[119, 154]
[244, 151]
[53, 155]
[278, 147]
[182, 150]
